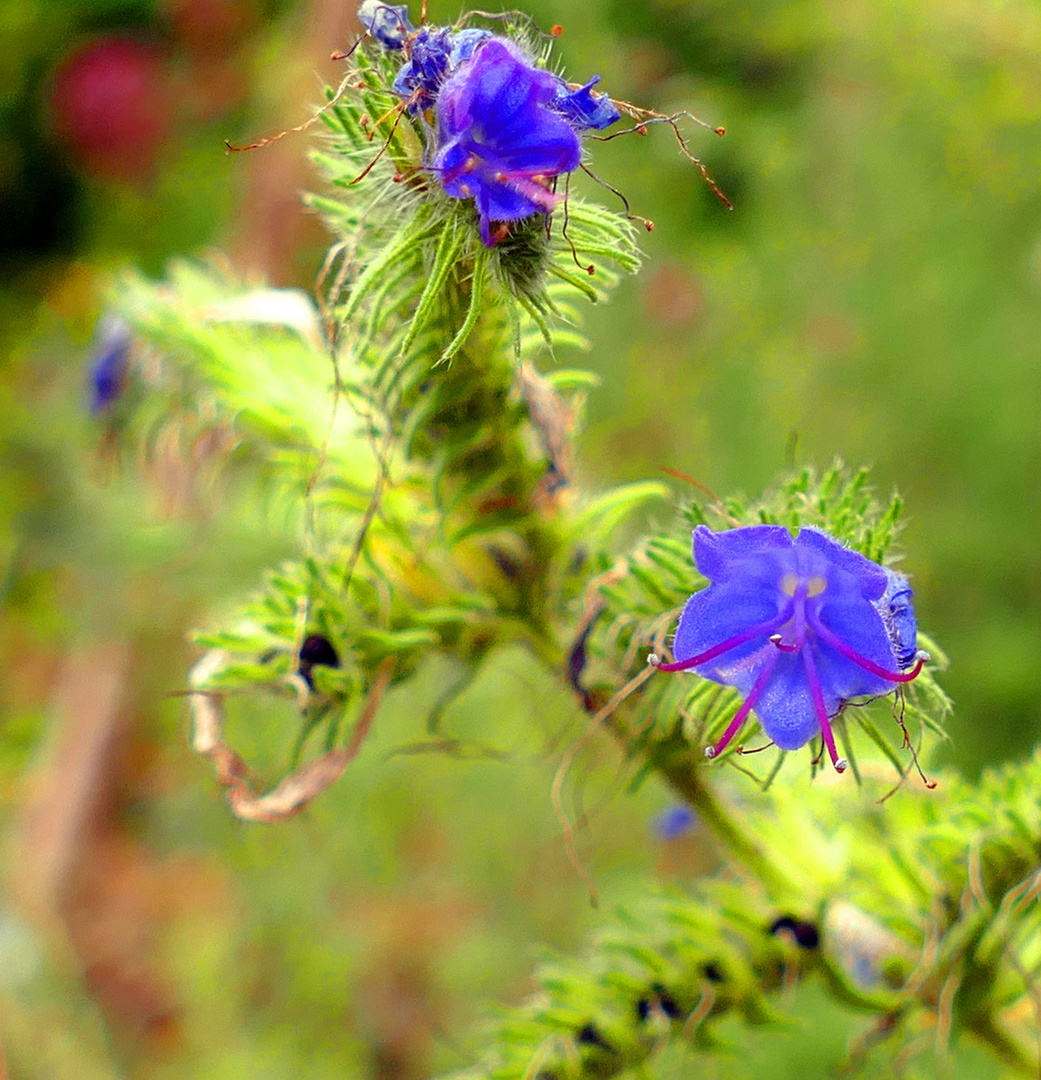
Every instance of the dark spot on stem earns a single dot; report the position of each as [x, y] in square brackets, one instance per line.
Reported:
[712, 973]
[666, 1002]
[316, 651]
[806, 934]
[589, 1036]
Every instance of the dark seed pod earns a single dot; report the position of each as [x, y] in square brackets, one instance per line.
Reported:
[666, 1002]
[590, 1036]
[316, 650]
[806, 934]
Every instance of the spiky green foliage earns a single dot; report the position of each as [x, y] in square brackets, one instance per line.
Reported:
[412, 273]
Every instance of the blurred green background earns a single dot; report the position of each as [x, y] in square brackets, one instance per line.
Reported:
[875, 294]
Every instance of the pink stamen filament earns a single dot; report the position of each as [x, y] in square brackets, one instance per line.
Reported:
[862, 661]
[746, 707]
[743, 638]
[822, 712]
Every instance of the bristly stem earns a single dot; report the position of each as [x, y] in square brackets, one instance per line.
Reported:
[688, 782]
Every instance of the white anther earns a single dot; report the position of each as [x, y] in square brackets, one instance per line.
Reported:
[653, 659]
[840, 765]
[710, 751]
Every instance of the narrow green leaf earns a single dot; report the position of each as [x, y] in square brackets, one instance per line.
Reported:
[473, 312]
[445, 264]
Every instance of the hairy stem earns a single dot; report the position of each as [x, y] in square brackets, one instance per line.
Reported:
[688, 782]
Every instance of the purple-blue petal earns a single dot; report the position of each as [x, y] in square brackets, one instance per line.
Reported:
[107, 363]
[426, 68]
[871, 576]
[499, 140]
[897, 610]
[585, 110]
[857, 622]
[496, 98]
[464, 42]
[785, 708]
[675, 821]
[719, 613]
[499, 202]
[719, 554]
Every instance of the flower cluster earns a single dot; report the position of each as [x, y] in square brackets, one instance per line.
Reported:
[799, 626]
[503, 127]
[498, 142]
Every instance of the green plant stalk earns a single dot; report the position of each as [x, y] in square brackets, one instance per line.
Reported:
[689, 783]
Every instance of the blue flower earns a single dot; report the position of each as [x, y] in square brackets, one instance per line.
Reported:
[433, 53]
[500, 142]
[387, 23]
[505, 127]
[107, 363]
[799, 626]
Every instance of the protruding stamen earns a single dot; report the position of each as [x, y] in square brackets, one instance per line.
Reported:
[822, 713]
[647, 223]
[747, 705]
[775, 639]
[762, 630]
[921, 658]
[588, 267]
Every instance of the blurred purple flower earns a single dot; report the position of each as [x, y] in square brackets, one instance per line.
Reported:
[500, 141]
[107, 363]
[674, 821]
[799, 626]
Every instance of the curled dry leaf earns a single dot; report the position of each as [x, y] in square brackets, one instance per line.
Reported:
[301, 786]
